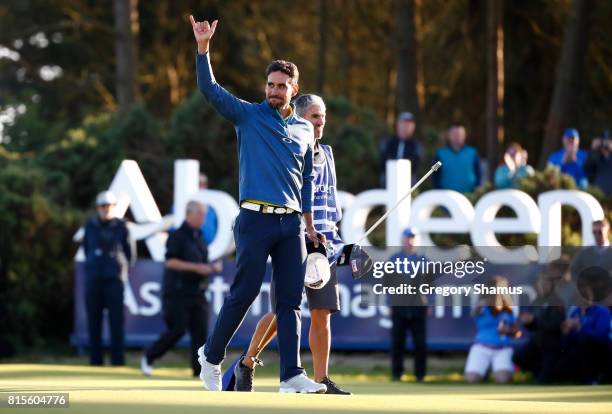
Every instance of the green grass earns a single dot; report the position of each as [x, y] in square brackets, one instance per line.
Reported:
[124, 389]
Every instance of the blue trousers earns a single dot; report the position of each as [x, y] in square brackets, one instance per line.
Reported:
[258, 236]
[105, 293]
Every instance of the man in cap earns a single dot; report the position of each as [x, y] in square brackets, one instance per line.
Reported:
[571, 158]
[402, 145]
[107, 254]
[408, 313]
[323, 302]
[275, 151]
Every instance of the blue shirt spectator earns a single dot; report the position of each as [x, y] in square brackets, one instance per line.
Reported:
[460, 164]
[571, 159]
[594, 323]
[487, 327]
[514, 167]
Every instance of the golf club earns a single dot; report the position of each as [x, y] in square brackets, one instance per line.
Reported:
[361, 263]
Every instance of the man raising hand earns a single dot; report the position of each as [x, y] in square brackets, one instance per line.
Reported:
[275, 152]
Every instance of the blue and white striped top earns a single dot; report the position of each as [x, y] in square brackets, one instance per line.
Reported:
[325, 204]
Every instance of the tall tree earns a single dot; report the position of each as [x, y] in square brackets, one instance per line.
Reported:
[322, 52]
[569, 76]
[495, 83]
[406, 52]
[126, 32]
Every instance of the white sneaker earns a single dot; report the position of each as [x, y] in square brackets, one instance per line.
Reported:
[147, 370]
[210, 374]
[302, 384]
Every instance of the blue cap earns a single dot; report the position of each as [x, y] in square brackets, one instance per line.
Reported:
[409, 232]
[571, 133]
[405, 116]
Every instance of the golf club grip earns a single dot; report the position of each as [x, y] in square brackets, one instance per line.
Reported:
[434, 168]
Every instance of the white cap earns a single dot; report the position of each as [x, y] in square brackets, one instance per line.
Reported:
[106, 197]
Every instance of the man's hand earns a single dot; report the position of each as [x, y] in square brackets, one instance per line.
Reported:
[217, 266]
[315, 237]
[570, 155]
[526, 318]
[596, 144]
[203, 31]
[202, 269]
[509, 160]
[312, 234]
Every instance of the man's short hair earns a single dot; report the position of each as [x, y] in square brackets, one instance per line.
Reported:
[603, 222]
[303, 102]
[286, 67]
[194, 205]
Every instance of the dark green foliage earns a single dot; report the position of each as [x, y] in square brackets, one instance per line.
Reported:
[36, 251]
[196, 131]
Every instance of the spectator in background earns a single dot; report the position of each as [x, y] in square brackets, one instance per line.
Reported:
[402, 145]
[496, 326]
[586, 341]
[597, 256]
[107, 253]
[571, 158]
[461, 164]
[184, 306]
[598, 166]
[543, 320]
[409, 313]
[209, 228]
[514, 167]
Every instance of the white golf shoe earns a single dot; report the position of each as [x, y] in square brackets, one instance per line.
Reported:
[145, 367]
[302, 384]
[210, 374]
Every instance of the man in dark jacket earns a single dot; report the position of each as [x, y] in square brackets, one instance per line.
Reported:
[184, 305]
[541, 353]
[598, 166]
[402, 145]
[408, 313]
[107, 252]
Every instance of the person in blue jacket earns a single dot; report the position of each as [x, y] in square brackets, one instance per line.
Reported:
[513, 168]
[108, 252]
[275, 153]
[461, 162]
[570, 159]
[496, 327]
[586, 342]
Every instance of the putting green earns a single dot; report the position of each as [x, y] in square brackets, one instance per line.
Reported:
[116, 390]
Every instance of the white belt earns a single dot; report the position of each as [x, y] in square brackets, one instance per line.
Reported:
[262, 208]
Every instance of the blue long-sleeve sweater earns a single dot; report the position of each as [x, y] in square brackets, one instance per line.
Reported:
[275, 154]
[594, 323]
[460, 171]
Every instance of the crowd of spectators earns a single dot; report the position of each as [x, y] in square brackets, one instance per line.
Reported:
[463, 168]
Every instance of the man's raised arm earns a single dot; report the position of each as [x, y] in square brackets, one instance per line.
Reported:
[225, 103]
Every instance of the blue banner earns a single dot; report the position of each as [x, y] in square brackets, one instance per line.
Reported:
[355, 327]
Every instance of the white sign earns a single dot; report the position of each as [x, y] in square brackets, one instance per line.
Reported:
[542, 218]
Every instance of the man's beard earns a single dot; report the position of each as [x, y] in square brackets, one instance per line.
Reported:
[278, 103]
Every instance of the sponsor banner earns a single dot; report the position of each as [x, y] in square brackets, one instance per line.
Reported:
[356, 326]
